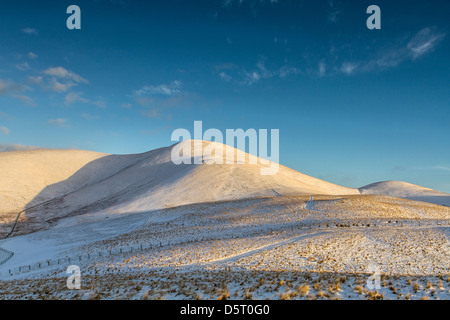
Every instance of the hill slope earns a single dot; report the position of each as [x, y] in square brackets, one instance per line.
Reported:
[86, 182]
[407, 191]
[24, 174]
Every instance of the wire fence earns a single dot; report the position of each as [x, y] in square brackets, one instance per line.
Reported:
[83, 257]
[5, 255]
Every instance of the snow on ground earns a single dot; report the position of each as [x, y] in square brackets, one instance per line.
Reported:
[56, 184]
[276, 248]
[140, 226]
[408, 191]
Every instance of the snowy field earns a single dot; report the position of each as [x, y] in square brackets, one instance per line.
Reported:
[285, 247]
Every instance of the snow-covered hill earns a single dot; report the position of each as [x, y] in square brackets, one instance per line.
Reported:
[24, 174]
[407, 191]
[84, 182]
[94, 186]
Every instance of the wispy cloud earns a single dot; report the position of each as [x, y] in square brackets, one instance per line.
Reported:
[348, 68]
[259, 73]
[424, 42]
[25, 99]
[58, 122]
[60, 79]
[225, 77]
[154, 113]
[322, 69]
[442, 168]
[62, 73]
[32, 55]
[30, 31]
[77, 97]
[89, 117]
[15, 90]
[159, 97]
[99, 103]
[5, 130]
[35, 80]
[74, 97]
[333, 15]
[9, 87]
[434, 167]
[171, 89]
[23, 66]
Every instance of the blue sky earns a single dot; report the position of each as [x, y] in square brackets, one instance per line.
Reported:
[353, 105]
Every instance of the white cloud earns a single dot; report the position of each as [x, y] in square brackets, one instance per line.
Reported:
[5, 130]
[32, 55]
[435, 167]
[348, 68]
[74, 97]
[56, 86]
[100, 104]
[25, 99]
[261, 72]
[60, 79]
[89, 117]
[12, 89]
[163, 89]
[334, 13]
[30, 31]
[286, 71]
[322, 69]
[225, 77]
[57, 122]
[35, 80]
[442, 168]
[423, 42]
[62, 73]
[23, 66]
[145, 101]
[151, 114]
[126, 105]
[9, 87]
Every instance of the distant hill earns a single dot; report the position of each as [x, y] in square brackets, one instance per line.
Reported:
[407, 191]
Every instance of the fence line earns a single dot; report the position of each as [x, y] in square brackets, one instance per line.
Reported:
[27, 209]
[10, 254]
[81, 257]
[336, 224]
